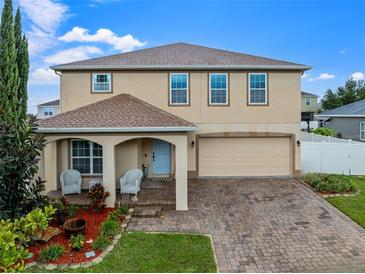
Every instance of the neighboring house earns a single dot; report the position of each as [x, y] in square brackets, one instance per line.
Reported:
[185, 111]
[48, 109]
[347, 121]
[309, 106]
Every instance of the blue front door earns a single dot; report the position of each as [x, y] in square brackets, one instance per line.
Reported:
[161, 157]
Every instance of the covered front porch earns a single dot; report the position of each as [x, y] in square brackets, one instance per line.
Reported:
[164, 155]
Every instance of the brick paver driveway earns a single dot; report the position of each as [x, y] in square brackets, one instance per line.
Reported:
[267, 225]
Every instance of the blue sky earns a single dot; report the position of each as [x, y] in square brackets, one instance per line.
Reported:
[327, 35]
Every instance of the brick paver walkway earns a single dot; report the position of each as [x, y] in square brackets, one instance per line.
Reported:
[267, 225]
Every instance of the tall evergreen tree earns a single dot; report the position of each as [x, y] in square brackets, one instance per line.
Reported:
[9, 79]
[21, 45]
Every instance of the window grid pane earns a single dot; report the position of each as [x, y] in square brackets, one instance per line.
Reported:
[179, 88]
[218, 88]
[362, 130]
[257, 88]
[87, 157]
[101, 82]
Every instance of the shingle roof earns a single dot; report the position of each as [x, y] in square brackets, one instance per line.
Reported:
[354, 109]
[304, 93]
[123, 112]
[54, 103]
[181, 56]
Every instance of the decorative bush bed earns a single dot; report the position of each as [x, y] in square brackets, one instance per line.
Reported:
[75, 248]
[329, 183]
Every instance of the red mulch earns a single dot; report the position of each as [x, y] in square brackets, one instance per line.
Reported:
[93, 221]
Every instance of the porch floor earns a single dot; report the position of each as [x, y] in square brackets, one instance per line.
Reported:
[155, 193]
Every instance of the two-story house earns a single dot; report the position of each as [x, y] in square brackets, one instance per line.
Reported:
[309, 106]
[183, 110]
[48, 109]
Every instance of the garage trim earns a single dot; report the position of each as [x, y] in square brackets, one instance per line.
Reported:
[248, 135]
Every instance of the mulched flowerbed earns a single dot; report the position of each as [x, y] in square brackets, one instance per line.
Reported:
[70, 256]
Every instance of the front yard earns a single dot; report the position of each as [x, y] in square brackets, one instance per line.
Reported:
[156, 252]
[354, 207]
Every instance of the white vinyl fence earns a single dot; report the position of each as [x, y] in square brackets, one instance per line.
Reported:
[332, 156]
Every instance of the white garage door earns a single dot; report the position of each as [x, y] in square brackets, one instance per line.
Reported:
[244, 157]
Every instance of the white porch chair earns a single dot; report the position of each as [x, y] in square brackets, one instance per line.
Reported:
[70, 181]
[130, 182]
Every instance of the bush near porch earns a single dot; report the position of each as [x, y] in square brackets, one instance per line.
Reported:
[156, 252]
[329, 183]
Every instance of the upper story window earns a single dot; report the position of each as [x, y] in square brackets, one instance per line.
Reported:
[362, 131]
[218, 89]
[179, 89]
[101, 82]
[257, 94]
[308, 101]
[87, 157]
[48, 111]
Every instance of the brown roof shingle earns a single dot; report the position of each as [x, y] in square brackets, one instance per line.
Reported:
[120, 111]
[180, 55]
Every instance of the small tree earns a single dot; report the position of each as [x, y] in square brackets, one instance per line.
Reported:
[19, 156]
[352, 91]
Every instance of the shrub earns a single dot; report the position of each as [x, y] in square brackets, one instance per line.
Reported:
[12, 254]
[20, 148]
[98, 195]
[101, 242]
[329, 183]
[324, 131]
[77, 242]
[72, 210]
[16, 234]
[123, 209]
[110, 227]
[51, 253]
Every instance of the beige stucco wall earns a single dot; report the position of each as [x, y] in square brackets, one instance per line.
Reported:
[284, 96]
[281, 115]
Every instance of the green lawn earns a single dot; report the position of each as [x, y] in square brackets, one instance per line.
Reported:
[157, 252]
[354, 207]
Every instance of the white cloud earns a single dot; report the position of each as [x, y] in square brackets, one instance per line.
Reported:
[45, 17]
[123, 43]
[322, 76]
[342, 51]
[357, 76]
[39, 40]
[72, 55]
[43, 76]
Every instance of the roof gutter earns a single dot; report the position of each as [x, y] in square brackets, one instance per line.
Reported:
[181, 67]
[339, 115]
[115, 129]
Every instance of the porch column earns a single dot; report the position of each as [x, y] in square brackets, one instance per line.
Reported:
[50, 165]
[181, 173]
[109, 173]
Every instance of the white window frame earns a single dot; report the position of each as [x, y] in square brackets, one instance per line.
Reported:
[308, 101]
[210, 89]
[362, 130]
[93, 75]
[249, 88]
[91, 157]
[187, 89]
[48, 110]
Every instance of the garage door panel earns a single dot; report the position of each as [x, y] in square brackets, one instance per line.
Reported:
[244, 157]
